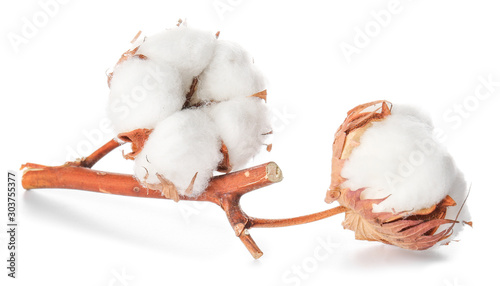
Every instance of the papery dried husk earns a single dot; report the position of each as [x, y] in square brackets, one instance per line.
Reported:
[138, 138]
[224, 165]
[410, 230]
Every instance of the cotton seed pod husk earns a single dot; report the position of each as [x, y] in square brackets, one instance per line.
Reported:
[415, 229]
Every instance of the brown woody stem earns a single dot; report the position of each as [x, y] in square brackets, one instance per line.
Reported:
[260, 222]
[89, 161]
[225, 190]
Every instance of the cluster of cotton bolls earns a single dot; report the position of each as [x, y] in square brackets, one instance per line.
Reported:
[195, 92]
[399, 159]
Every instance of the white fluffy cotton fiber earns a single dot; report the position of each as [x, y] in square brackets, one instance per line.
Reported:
[180, 146]
[186, 49]
[241, 124]
[230, 74]
[398, 158]
[142, 93]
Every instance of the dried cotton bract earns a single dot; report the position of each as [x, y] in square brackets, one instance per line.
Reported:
[184, 99]
[400, 185]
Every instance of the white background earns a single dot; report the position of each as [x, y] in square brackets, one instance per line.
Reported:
[428, 53]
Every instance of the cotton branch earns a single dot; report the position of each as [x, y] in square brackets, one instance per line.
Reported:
[225, 190]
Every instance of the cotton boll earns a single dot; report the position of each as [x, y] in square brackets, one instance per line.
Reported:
[230, 74]
[142, 93]
[398, 158]
[187, 49]
[241, 124]
[180, 146]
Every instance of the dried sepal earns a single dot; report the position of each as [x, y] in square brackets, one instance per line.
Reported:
[410, 230]
[225, 164]
[138, 138]
[189, 95]
[167, 188]
[261, 95]
[189, 190]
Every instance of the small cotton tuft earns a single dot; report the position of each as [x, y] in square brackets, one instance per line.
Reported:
[180, 146]
[142, 93]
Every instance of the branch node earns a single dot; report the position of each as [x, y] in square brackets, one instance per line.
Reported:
[239, 228]
[273, 172]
